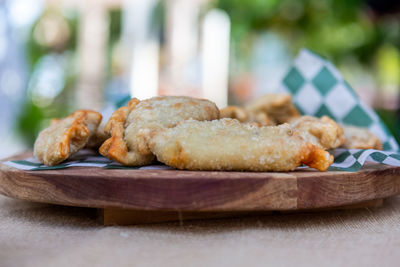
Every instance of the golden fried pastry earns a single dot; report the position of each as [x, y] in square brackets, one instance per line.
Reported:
[115, 147]
[227, 144]
[323, 132]
[130, 125]
[243, 115]
[65, 137]
[235, 112]
[278, 107]
[98, 138]
[260, 118]
[360, 138]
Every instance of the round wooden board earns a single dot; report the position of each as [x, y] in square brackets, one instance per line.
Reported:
[172, 190]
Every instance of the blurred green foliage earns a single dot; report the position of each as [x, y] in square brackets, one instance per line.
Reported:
[35, 50]
[391, 119]
[34, 115]
[115, 17]
[28, 125]
[333, 28]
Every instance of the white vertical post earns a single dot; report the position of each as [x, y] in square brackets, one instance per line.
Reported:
[181, 44]
[92, 45]
[144, 70]
[215, 57]
[143, 55]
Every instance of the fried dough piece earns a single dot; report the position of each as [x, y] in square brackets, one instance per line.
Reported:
[278, 107]
[235, 112]
[261, 119]
[98, 138]
[227, 144]
[115, 147]
[323, 132]
[360, 138]
[243, 115]
[65, 137]
[129, 126]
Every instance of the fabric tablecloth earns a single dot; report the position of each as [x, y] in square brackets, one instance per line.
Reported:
[33, 234]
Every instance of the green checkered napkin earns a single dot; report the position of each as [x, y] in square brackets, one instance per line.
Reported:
[84, 158]
[318, 89]
[353, 159]
[345, 160]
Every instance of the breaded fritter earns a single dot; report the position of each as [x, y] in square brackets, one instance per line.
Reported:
[361, 138]
[323, 132]
[278, 107]
[98, 138]
[227, 144]
[65, 137]
[243, 115]
[130, 125]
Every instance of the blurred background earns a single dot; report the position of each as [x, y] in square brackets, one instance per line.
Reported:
[59, 55]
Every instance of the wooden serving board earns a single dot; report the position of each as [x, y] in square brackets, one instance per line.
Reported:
[160, 195]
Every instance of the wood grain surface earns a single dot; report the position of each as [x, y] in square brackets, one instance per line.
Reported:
[130, 217]
[199, 191]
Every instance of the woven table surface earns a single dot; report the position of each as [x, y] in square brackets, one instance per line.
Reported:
[33, 234]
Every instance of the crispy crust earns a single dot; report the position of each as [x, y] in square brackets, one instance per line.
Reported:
[129, 126]
[115, 147]
[279, 107]
[317, 158]
[235, 112]
[227, 144]
[323, 132]
[261, 118]
[361, 138]
[65, 137]
[243, 115]
[98, 138]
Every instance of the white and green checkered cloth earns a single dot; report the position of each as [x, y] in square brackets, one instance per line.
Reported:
[318, 89]
[84, 158]
[354, 159]
[345, 160]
